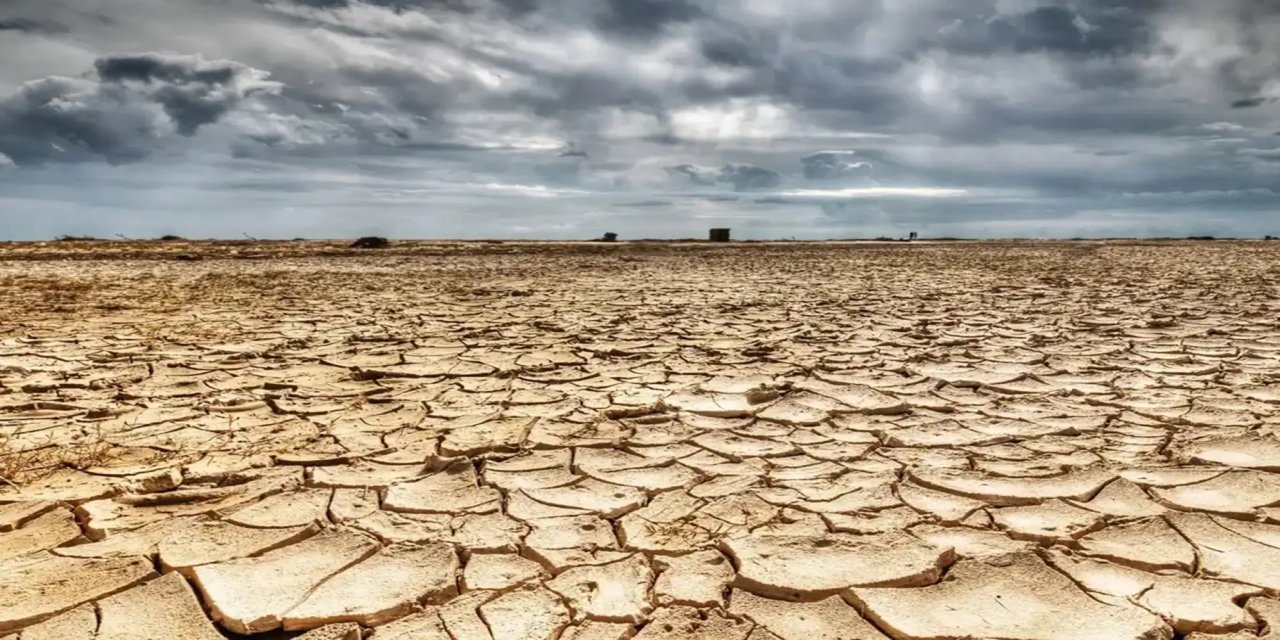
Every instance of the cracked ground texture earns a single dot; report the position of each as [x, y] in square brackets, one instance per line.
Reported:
[1024, 441]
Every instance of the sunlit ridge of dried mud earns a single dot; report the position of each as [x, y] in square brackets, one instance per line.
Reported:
[519, 440]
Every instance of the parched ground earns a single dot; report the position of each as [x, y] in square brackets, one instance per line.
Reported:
[1025, 441]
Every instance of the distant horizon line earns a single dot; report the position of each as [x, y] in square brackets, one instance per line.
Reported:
[246, 239]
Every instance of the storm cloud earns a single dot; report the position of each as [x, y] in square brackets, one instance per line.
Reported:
[123, 110]
[554, 118]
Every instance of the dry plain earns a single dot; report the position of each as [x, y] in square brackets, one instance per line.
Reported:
[804, 441]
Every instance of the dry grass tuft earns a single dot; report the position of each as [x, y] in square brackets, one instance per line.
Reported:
[21, 463]
[18, 465]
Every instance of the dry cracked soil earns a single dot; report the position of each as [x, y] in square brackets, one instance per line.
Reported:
[1019, 440]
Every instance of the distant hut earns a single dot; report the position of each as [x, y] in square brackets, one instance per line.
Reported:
[719, 235]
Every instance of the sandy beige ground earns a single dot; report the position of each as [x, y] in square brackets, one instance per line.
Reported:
[583, 441]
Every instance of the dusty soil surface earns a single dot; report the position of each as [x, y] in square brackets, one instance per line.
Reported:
[582, 441]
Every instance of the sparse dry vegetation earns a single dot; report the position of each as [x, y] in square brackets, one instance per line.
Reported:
[371, 242]
[27, 459]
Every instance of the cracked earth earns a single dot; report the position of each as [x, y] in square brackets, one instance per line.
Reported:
[1025, 441]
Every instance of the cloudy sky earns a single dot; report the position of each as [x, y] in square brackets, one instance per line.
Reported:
[648, 118]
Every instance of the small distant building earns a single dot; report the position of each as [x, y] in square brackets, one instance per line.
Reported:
[719, 235]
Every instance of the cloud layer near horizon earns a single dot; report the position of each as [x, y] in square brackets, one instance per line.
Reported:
[650, 118]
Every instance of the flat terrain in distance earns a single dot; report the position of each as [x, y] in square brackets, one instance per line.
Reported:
[806, 441]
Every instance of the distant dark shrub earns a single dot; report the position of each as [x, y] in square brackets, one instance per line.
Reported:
[171, 238]
[65, 238]
[371, 242]
[1201, 238]
[609, 237]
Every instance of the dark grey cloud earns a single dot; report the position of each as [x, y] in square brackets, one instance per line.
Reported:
[644, 17]
[735, 50]
[30, 26]
[152, 67]
[829, 165]
[1249, 103]
[123, 111]
[701, 176]
[75, 119]
[193, 92]
[743, 177]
